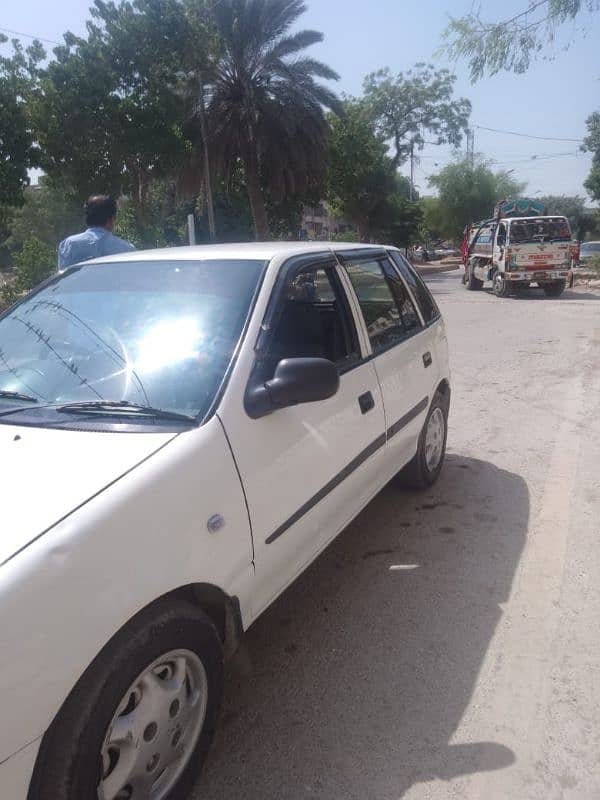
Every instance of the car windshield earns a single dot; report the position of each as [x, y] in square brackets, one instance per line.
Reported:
[539, 230]
[151, 333]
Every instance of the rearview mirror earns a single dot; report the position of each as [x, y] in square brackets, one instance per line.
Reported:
[296, 380]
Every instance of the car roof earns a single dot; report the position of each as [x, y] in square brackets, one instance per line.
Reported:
[260, 251]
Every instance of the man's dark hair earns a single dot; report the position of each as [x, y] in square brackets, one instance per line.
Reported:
[99, 208]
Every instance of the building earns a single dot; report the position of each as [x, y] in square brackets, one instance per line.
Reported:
[318, 223]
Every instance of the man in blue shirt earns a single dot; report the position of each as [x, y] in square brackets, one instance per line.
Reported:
[98, 240]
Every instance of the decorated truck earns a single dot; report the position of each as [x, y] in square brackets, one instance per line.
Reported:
[519, 246]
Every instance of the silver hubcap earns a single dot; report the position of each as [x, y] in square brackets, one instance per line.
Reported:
[155, 729]
[434, 439]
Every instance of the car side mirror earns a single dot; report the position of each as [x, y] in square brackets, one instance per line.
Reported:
[296, 380]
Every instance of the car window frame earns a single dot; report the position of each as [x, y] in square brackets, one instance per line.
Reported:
[378, 254]
[288, 271]
[397, 254]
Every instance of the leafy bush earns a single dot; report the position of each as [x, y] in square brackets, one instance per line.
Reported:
[593, 263]
[33, 264]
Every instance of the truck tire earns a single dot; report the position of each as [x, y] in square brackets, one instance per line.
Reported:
[472, 283]
[501, 287]
[554, 289]
[171, 653]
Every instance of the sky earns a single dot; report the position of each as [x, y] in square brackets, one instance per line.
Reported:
[552, 99]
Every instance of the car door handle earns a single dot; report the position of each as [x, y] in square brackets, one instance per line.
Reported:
[427, 360]
[366, 402]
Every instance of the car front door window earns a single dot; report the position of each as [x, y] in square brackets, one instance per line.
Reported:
[313, 322]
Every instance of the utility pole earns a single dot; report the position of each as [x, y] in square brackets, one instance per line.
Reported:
[471, 146]
[412, 170]
[207, 180]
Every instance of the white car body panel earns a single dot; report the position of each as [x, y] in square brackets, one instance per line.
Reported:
[66, 468]
[144, 536]
[96, 526]
[16, 772]
[298, 450]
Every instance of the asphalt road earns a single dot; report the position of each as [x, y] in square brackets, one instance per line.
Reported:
[473, 669]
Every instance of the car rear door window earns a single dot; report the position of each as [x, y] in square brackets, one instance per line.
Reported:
[388, 311]
[421, 293]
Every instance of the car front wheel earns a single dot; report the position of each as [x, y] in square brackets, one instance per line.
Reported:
[139, 723]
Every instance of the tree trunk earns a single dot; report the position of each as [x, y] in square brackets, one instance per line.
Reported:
[257, 201]
[364, 233]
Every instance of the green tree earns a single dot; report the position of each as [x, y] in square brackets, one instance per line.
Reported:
[582, 219]
[469, 193]
[363, 184]
[361, 176]
[400, 221]
[106, 118]
[432, 224]
[510, 43]
[408, 106]
[49, 213]
[33, 264]
[266, 107]
[591, 143]
[18, 74]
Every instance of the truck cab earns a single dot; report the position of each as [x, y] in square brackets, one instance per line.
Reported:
[516, 252]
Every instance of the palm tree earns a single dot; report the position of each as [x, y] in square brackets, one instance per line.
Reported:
[266, 108]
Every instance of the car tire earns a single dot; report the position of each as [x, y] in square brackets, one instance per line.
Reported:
[554, 289]
[144, 711]
[424, 469]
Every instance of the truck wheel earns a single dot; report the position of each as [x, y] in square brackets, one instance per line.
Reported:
[502, 287]
[554, 289]
[424, 469]
[472, 283]
[140, 721]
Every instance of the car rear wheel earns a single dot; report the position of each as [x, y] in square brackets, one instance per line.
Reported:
[140, 721]
[424, 469]
[554, 289]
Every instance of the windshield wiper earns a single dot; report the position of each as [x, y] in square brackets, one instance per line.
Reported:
[26, 398]
[123, 408]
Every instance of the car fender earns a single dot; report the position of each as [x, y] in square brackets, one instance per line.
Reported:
[65, 595]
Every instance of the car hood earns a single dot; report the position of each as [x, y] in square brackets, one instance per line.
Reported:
[46, 474]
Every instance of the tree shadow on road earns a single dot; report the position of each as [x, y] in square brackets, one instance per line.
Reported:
[353, 683]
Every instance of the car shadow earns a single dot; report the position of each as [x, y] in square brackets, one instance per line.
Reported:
[353, 683]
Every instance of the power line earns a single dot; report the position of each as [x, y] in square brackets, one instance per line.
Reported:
[528, 160]
[29, 36]
[529, 136]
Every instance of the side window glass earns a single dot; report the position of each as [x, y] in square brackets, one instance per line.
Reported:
[313, 322]
[408, 312]
[421, 293]
[382, 312]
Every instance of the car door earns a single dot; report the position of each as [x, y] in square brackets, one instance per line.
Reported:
[308, 469]
[400, 349]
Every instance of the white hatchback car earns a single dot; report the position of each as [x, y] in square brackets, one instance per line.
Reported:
[181, 433]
